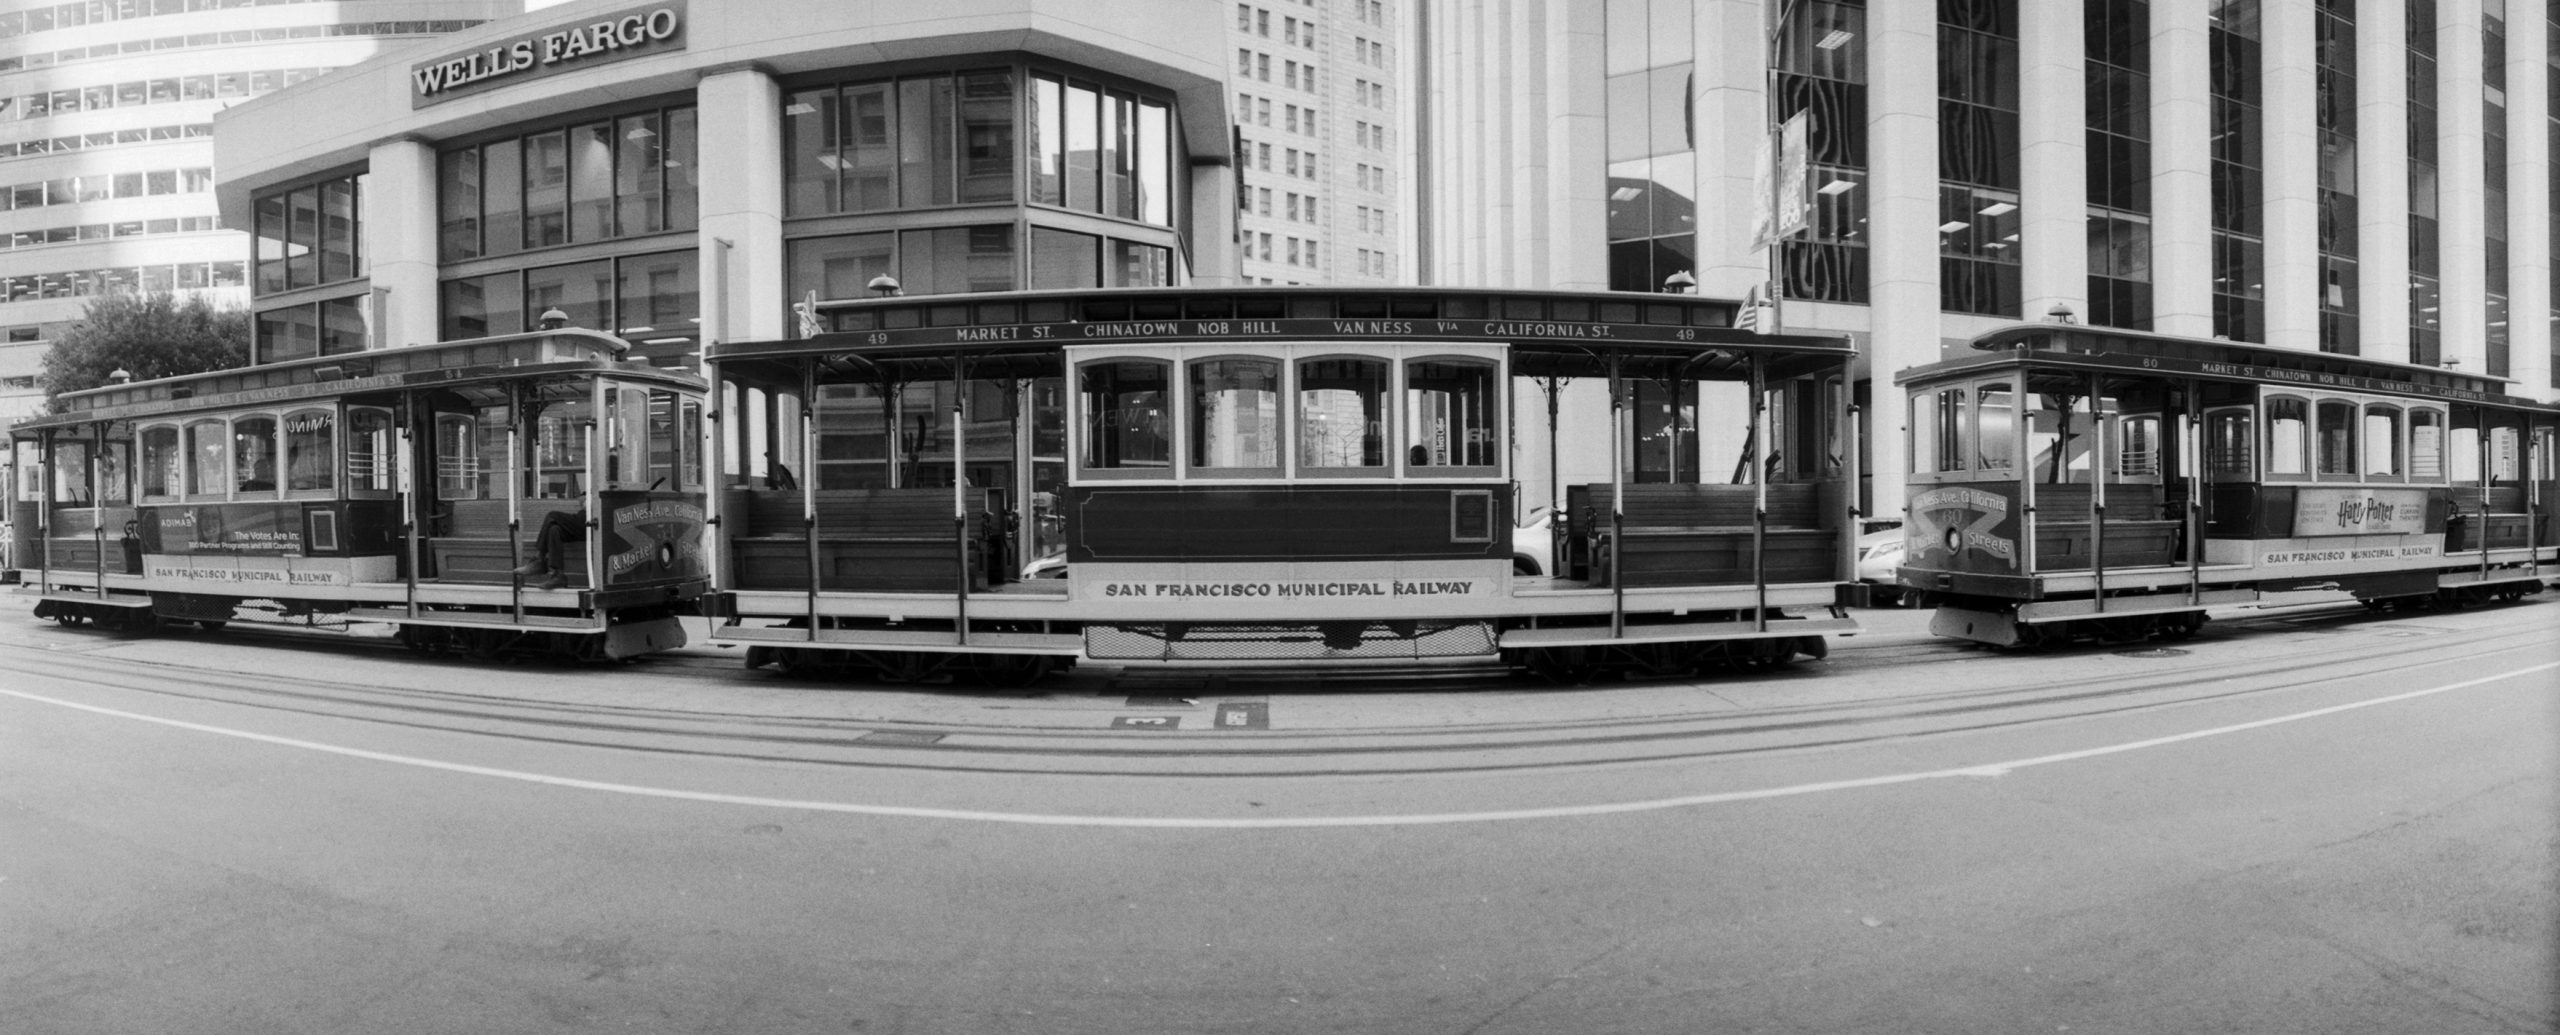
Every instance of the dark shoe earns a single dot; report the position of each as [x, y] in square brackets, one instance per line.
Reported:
[552, 581]
[534, 567]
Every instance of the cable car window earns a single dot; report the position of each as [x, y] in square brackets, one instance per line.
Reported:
[311, 451]
[1952, 421]
[2337, 438]
[208, 453]
[1449, 414]
[1997, 441]
[631, 457]
[2506, 449]
[71, 472]
[457, 458]
[2544, 463]
[689, 446]
[1342, 413]
[2426, 444]
[2382, 442]
[560, 449]
[1125, 421]
[115, 483]
[369, 464]
[1922, 433]
[2062, 439]
[2227, 441]
[2137, 448]
[160, 462]
[253, 454]
[2288, 437]
[2462, 449]
[1235, 415]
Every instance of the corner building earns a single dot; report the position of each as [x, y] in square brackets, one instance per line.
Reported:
[106, 143]
[2370, 177]
[687, 171]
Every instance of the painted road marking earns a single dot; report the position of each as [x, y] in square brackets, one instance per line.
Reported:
[1244, 716]
[1146, 722]
[1991, 769]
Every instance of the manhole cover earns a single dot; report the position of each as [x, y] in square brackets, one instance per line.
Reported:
[2152, 652]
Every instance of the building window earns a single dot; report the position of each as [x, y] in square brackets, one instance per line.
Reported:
[308, 235]
[653, 300]
[1978, 240]
[1652, 152]
[2119, 162]
[622, 177]
[2426, 316]
[1100, 150]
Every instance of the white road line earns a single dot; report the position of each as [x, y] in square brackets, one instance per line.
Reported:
[1993, 769]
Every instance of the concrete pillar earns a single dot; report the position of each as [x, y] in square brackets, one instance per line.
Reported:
[2053, 122]
[2464, 203]
[1576, 147]
[1902, 217]
[1733, 119]
[2289, 89]
[2382, 179]
[400, 236]
[741, 191]
[2181, 178]
[1213, 226]
[2529, 241]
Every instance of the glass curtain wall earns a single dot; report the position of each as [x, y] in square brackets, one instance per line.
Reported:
[1822, 71]
[2426, 295]
[2335, 24]
[2118, 44]
[1653, 163]
[2239, 185]
[1978, 212]
[2493, 141]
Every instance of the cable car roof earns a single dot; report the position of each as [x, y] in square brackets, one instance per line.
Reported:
[355, 373]
[1550, 333]
[2168, 356]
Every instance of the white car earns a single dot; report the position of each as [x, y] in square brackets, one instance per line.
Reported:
[1879, 557]
[1533, 544]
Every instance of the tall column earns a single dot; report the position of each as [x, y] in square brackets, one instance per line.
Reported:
[400, 241]
[2464, 206]
[2289, 88]
[2182, 171]
[2053, 122]
[2529, 173]
[741, 192]
[2382, 179]
[1733, 118]
[1902, 217]
[1575, 148]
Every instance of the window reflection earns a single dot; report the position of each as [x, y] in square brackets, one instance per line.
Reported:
[1235, 414]
[1449, 414]
[1124, 411]
[1342, 413]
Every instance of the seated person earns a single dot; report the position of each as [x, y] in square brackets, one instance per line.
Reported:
[559, 528]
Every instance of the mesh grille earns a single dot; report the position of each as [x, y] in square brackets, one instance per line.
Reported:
[1287, 641]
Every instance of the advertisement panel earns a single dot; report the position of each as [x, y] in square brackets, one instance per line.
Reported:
[2365, 511]
[1963, 528]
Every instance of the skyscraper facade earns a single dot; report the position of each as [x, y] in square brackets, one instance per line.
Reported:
[1320, 115]
[2371, 177]
[106, 152]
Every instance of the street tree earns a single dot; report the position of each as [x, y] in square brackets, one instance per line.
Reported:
[148, 335]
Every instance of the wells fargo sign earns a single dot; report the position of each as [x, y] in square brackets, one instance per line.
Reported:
[626, 34]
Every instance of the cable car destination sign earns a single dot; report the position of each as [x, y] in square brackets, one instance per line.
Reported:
[1173, 331]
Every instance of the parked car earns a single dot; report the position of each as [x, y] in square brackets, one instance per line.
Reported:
[1879, 556]
[1533, 544]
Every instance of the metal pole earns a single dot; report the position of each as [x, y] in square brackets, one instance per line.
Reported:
[98, 508]
[515, 496]
[1617, 500]
[410, 498]
[2097, 494]
[809, 484]
[595, 499]
[1760, 491]
[960, 493]
[714, 476]
[2191, 454]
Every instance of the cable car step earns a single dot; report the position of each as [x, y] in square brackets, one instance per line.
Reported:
[938, 640]
[476, 619]
[1676, 632]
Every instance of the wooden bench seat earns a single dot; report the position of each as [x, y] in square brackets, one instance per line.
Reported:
[1688, 534]
[869, 540]
[475, 548]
